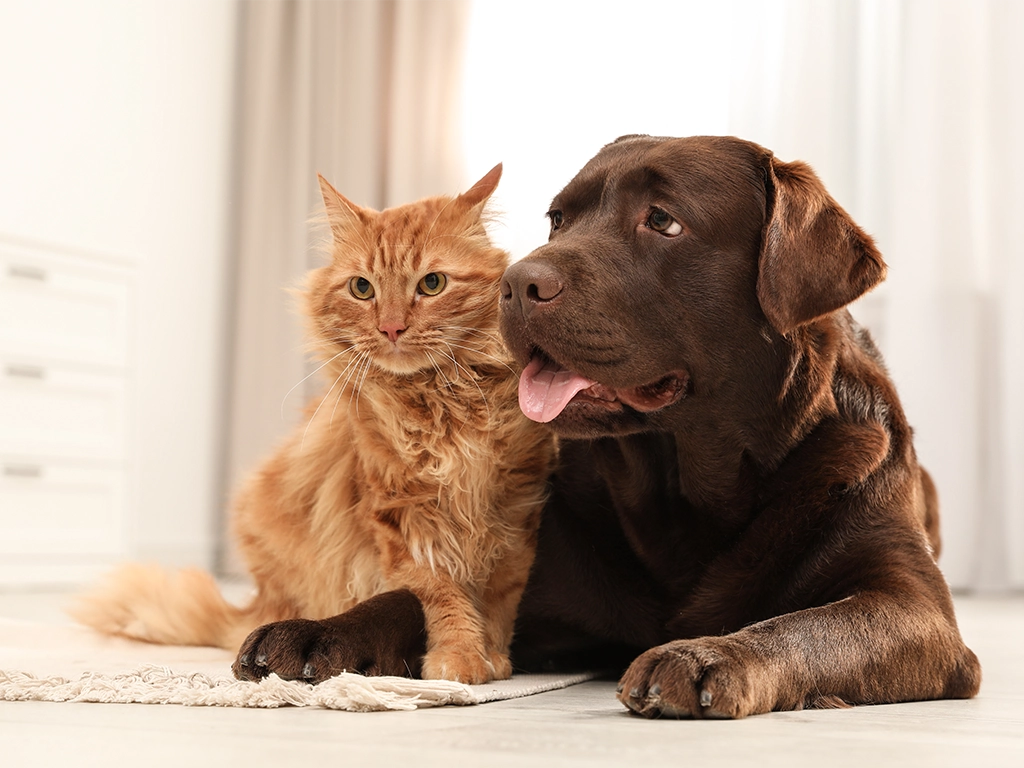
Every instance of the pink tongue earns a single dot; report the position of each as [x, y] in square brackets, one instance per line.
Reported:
[545, 388]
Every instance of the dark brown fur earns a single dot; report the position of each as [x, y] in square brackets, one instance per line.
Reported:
[768, 540]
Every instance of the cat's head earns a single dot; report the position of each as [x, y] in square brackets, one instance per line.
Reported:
[407, 288]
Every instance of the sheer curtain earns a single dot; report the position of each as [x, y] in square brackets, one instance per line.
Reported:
[365, 92]
[913, 112]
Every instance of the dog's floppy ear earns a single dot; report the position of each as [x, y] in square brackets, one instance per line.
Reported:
[814, 258]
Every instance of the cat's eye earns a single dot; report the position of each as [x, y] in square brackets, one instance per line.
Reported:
[361, 288]
[660, 221]
[432, 284]
[556, 219]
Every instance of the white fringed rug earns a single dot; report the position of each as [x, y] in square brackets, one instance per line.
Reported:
[45, 662]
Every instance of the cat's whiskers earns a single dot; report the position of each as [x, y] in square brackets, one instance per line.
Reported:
[441, 374]
[352, 365]
[450, 355]
[478, 351]
[319, 405]
[334, 410]
[490, 335]
[469, 375]
[353, 374]
[350, 369]
[470, 344]
[339, 344]
[341, 338]
[308, 376]
[361, 379]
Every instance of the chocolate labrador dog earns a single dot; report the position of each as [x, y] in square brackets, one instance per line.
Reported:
[738, 508]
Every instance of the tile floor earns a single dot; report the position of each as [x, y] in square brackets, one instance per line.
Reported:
[579, 726]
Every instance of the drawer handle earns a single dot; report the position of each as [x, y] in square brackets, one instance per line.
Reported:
[27, 471]
[25, 272]
[26, 372]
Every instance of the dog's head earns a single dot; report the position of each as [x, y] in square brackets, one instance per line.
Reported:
[672, 268]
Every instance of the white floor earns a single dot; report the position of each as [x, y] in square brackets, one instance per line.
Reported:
[582, 725]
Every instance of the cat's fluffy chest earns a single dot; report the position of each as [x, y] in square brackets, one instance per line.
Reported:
[421, 421]
[431, 458]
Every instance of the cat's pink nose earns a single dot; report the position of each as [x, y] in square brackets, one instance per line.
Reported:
[392, 330]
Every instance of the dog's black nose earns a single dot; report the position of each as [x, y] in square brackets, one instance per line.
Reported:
[531, 284]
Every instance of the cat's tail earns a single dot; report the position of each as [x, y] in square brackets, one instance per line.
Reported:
[149, 603]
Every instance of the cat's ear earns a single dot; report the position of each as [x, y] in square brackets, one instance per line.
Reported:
[342, 213]
[478, 194]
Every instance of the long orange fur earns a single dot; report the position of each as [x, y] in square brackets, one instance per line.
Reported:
[414, 468]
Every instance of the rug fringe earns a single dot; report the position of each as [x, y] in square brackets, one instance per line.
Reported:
[153, 684]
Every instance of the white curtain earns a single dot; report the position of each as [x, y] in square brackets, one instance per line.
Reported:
[365, 92]
[913, 113]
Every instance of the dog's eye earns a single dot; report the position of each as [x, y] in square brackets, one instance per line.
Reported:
[556, 219]
[660, 221]
[361, 288]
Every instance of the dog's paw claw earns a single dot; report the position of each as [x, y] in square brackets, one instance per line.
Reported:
[704, 678]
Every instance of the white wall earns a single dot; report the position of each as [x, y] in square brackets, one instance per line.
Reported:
[548, 83]
[115, 120]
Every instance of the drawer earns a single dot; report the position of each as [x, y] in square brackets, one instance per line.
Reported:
[57, 411]
[54, 308]
[48, 508]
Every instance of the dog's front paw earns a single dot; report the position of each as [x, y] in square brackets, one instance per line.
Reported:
[384, 635]
[710, 677]
[283, 648]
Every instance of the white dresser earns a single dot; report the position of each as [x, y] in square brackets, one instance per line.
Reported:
[65, 395]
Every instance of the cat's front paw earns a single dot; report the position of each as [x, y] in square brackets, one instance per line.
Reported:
[384, 635]
[502, 665]
[462, 666]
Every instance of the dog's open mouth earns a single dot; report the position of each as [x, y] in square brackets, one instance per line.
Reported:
[546, 388]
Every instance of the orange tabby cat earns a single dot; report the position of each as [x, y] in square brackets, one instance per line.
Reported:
[416, 468]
